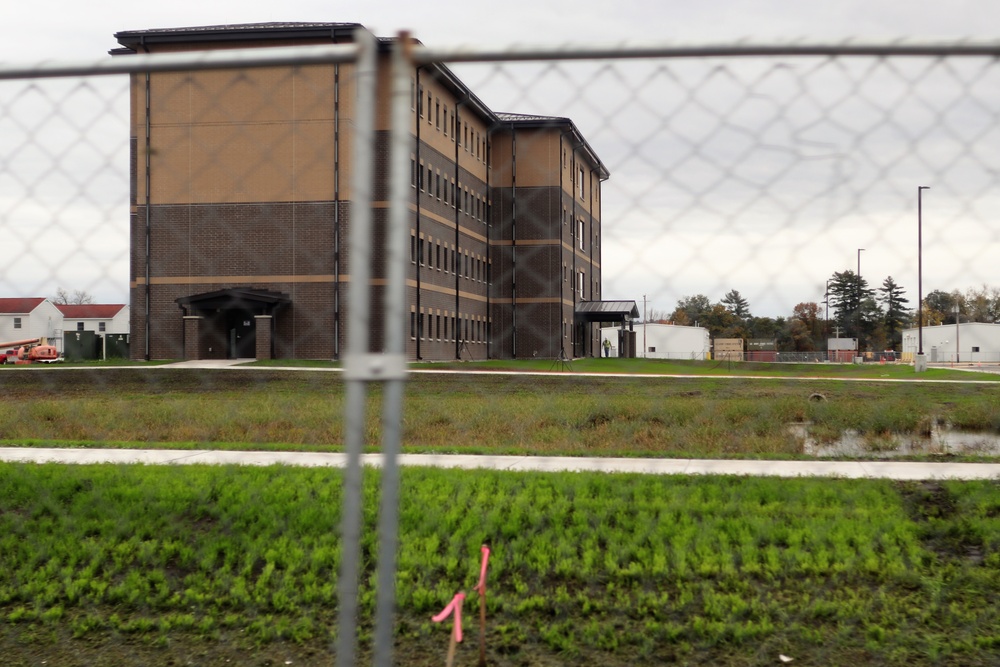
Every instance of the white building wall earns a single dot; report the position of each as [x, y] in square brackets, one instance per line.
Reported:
[669, 341]
[43, 322]
[116, 325]
[968, 342]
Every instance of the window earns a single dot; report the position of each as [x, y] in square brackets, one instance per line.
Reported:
[652, 348]
[430, 178]
[413, 248]
[437, 325]
[17, 322]
[975, 348]
[413, 325]
[580, 234]
[420, 325]
[437, 114]
[102, 326]
[429, 109]
[79, 326]
[580, 283]
[437, 259]
[413, 172]
[437, 186]
[420, 101]
[420, 250]
[582, 176]
[446, 327]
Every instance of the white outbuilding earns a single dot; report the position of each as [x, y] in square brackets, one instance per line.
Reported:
[955, 343]
[663, 341]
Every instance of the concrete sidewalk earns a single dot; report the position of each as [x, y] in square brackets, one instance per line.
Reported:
[898, 470]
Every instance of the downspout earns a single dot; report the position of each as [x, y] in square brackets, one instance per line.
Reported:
[336, 211]
[456, 135]
[489, 249]
[559, 278]
[513, 242]
[590, 278]
[420, 174]
[149, 201]
[573, 243]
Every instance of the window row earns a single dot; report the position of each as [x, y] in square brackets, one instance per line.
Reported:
[447, 327]
[446, 121]
[428, 179]
[439, 255]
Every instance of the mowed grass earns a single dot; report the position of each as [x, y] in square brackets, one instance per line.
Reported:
[561, 414]
[134, 565]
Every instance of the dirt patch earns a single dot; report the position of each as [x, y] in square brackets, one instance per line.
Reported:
[943, 531]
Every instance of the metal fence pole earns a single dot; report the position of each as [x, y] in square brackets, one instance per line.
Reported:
[359, 266]
[395, 373]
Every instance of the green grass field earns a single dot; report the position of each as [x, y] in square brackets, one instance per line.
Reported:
[559, 414]
[134, 565]
[107, 565]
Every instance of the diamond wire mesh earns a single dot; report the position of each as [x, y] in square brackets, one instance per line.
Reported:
[761, 174]
[766, 175]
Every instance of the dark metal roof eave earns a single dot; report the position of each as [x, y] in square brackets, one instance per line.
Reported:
[132, 39]
[606, 311]
[450, 80]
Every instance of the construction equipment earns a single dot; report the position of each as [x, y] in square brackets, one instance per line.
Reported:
[28, 351]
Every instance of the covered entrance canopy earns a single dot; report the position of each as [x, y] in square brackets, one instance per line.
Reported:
[233, 323]
[620, 312]
[606, 311]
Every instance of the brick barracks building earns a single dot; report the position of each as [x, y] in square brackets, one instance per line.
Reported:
[241, 202]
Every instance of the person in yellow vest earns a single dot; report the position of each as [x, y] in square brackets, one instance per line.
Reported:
[607, 347]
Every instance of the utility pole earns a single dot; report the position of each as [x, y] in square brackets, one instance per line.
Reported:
[644, 347]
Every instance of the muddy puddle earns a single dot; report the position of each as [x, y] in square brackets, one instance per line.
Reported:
[942, 441]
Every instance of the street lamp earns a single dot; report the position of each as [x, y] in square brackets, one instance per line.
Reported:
[957, 331]
[920, 364]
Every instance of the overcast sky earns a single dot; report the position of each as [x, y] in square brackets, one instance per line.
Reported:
[767, 204]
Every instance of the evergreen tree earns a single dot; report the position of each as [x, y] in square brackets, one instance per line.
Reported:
[895, 313]
[847, 293]
[737, 305]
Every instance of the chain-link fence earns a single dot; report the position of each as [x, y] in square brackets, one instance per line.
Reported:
[376, 201]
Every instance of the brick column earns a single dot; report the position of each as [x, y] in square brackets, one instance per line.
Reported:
[192, 337]
[263, 330]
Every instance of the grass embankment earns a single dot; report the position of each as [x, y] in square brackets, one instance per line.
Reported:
[105, 565]
[500, 414]
[866, 371]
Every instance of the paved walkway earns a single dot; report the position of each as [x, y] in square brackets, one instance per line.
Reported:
[898, 470]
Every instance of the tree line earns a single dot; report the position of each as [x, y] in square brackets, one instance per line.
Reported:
[850, 309]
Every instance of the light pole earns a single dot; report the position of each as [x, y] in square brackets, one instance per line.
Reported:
[644, 346]
[957, 330]
[920, 364]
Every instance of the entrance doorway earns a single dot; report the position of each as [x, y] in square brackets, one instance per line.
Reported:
[242, 329]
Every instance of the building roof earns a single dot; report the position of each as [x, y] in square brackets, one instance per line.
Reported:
[607, 311]
[19, 306]
[261, 301]
[135, 39]
[90, 311]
